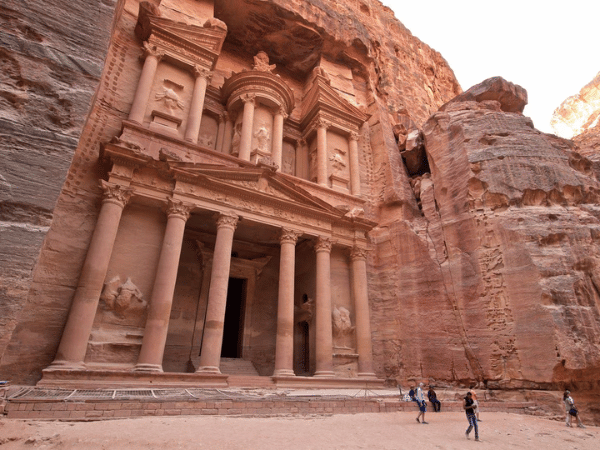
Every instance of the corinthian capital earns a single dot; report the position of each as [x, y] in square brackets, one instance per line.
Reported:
[116, 193]
[323, 244]
[151, 50]
[288, 235]
[178, 208]
[227, 220]
[322, 123]
[354, 136]
[201, 72]
[358, 253]
[249, 98]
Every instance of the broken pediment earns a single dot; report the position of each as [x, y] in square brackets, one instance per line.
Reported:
[195, 44]
[322, 99]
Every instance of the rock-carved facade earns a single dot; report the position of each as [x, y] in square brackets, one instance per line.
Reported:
[220, 166]
[297, 185]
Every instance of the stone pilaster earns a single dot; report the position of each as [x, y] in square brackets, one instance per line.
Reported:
[247, 126]
[324, 331]
[140, 101]
[276, 152]
[364, 347]
[202, 77]
[73, 344]
[322, 127]
[354, 164]
[159, 311]
[284, 346]
[212, 342]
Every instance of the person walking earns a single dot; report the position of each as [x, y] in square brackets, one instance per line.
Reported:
[433, 399]
[571, 409]
[468, 406]
[421, 402]
[475, 402]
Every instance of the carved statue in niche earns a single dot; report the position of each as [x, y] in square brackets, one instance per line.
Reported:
[337, 160]
[287, 164]
[261, 62]
[122, 297]
[235, 141]
[342, 326]
[206, 140]
[170, 98]
[262, 139]
[312, 163]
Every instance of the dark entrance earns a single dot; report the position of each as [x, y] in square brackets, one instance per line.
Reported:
[233, 329]
[303, 361]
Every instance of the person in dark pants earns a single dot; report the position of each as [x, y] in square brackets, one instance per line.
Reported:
[433, 399]
[468, 405]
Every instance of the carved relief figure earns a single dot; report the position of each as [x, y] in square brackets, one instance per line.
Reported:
[206, 140]
[262, 139]
[342, 326]
[261, 62]
[120, 297]
[337, 160]
[170, 98]
[235, 141]
[312, 161]
[287, 164]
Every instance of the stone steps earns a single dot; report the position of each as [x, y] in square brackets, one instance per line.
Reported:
[250, 381]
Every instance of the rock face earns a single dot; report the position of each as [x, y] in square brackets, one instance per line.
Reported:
[51, 58]
[579, 115]
[484, 261]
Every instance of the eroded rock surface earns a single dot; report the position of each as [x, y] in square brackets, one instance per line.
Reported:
[578, 113]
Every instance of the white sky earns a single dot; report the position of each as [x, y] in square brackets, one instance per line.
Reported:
[551, 48]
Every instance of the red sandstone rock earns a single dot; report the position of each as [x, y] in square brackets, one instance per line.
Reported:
[512, 97]
[579, 113]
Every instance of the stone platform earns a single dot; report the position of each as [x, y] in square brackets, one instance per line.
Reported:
[98, 404]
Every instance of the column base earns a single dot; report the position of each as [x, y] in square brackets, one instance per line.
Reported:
[324, 374]
[208, 369]
[284, 373]
[142, 367]
[366, 375]
[61, 364]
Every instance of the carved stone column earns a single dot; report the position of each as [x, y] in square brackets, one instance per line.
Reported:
[322, 127]
[197, 106]
[284, 345]
[73, 344]
[247, 126]
[228, 133]
[324, 332]
[210, 356]
[364, 346]
[354, 165]
[220, 133]
[142, 93]
[159, 310]
[276, 152]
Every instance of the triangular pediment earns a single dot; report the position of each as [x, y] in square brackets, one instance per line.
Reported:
[209, 37]
[262, 184]
[322, 98]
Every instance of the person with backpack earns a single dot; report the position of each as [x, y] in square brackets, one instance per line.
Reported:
[571, 409]
[469, 407]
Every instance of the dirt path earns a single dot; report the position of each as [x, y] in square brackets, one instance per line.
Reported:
[388, 431]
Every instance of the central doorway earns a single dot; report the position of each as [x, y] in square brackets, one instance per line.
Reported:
[233, 329]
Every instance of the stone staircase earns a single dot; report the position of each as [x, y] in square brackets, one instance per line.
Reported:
[238, 366]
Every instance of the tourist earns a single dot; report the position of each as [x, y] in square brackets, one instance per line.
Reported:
[571, 409]
[411, 394]
[476, 408]
[469, 407]
[433, 399]
[421, 402]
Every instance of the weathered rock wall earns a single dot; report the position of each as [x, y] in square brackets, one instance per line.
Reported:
[508, 296]
[51, 59]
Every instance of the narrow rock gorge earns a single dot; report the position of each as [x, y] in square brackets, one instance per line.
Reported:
[480, 234]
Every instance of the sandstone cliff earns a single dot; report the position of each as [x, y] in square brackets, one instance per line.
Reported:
[578, 117]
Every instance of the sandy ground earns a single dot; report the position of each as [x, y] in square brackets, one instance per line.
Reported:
[382, 431]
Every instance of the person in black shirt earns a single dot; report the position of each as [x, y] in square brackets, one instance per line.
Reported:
[469, 407]
[433, 399]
